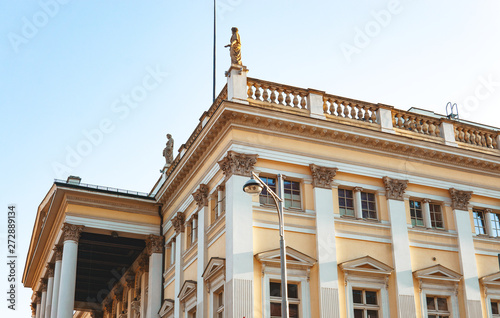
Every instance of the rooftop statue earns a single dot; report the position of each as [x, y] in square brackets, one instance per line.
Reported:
[168, 152]
[235, 47]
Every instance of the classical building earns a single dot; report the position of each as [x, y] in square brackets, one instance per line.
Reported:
[388, 213]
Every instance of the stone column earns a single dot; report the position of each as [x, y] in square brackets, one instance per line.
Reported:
[43, 282]
[154, 246]
[33, 310]
[108, 309]
[201, 198]
[426, 211]
[130, 280]
[66, 301]
[467, 252]
[220, 198]
[50, 289]
[118, 296]
[178, 223]
[57, 281]
[487, 221]
[358, 207]
[38, 304]
[325, 241]
[395, 190]
[237, 169]
[144, 268]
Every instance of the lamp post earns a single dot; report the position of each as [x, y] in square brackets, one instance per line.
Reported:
[255, 186]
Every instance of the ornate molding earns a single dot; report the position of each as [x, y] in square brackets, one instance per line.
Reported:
[129, 280]
[58, 249]
[50, 269]
[238, 164]
[96, 314]
[201, 196]
[72, 231]
[178, 223]
[394, 188]
[154, 244]
[33, 309]
[143, 263]
[460, 199]
[43, 284]
[118, 293]
[322, 176]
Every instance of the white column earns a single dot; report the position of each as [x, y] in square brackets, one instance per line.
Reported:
[144, 293]
[154, 244]
[179, 272]
[467, 253]
[400, 247]
[239, 249]
[38, 308]
[220, 198]
[57, 281]
[50, 289]
[202, 261]
[66, 302]
[327, 253]
[487, 221]
[44, 298]
[358, 208]
[426, 211]
[195, 226]
[130, 298]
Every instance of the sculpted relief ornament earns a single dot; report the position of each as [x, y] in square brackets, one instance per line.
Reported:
[72, 232]
[460, 199]
[178, 222]
[154, 244]
[237, 163]
[322, 176]
[201, 195]
[394, 188]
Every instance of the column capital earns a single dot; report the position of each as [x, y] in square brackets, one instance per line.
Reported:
[394, 188]
[96, 314]
[460, 199]
[201, 195]
[178, 223]
[488, 210]
[43, 284]
[130, 280]
[108, 307]
[426, 200]
[118, 293]
[221, 187]
[357, 189]
[38, 297]
[154, 244]
[322, 176]
[50, 269]
[58, 250]
[33, 309]
[72, 232]
[238, 164]
[143, 263]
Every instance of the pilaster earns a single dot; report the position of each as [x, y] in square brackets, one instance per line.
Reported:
[43, 286]
[58, 249]
[201, 198]
[50, 289]
[154, 246]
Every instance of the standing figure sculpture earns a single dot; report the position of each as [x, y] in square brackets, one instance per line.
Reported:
[168, 152]
[235, 47]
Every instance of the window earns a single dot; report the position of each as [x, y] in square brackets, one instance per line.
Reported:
[479, 224]
[292, 194]
[436, 216]
[417, 218]
[293, 299]
[346, 202]
[219, 303]
[437, 307]
[192, 231]
[218, 203]
[368, 206]
[265, 198]
[495, 307]
[495, 224]
[365, 303]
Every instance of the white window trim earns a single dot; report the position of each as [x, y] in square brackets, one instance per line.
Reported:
[491, 286]
[371, 283]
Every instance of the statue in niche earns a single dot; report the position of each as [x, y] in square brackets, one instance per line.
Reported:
[168, 152]
[235, 47]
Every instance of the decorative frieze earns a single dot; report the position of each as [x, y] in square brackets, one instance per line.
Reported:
[460, 199]
[154, 244]
[201, 196]
[237, 163]
[72, 231]
[50, 269]
[322, 176]
[394, 188]
[58, 249]
[178, 223]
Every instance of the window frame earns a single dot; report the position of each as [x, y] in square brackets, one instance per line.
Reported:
[483, 218]
[364, 306]
[374, 202]
[269, 199]
[298, 277]
[294, 301]
[421, 212]
[437, 312]
[441, 213]
[495, 224]
[346, 198]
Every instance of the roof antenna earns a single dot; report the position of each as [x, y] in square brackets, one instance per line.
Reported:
[452, 111]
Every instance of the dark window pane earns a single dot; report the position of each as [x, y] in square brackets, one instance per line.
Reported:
[442, 304]
[293, 291]
[348, 193]
[293, 310]
[494, 308]
[371, 297]
[276, 309]
[372, 314]
[357, 296]
[275, 289]
[430, 303]
[358, 313]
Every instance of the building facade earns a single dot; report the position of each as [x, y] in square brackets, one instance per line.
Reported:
[388, 213]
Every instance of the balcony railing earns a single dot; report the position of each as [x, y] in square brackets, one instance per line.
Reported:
[98, 187]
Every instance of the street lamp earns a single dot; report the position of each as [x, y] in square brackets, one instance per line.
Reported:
[255, 186]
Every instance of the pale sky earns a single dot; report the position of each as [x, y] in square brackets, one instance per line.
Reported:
[68, 68]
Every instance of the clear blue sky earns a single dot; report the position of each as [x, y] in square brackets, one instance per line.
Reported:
[67, 69]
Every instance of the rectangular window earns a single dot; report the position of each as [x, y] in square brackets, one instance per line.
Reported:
[368, 206]
[437, 307]
[436, 216]
[292, 194]
[365, 303]
[219, 303]
[265, 198]
[479, 224]
[346, 202]
[293, 299]
[218, 204]
[417, 218]
[495, 307]
[495, 224]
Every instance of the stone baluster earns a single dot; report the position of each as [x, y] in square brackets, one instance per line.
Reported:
[303, 102]
[288, 100]
[280, 96]
[265, 93]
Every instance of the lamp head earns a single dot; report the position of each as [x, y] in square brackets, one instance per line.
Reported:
[252, 186]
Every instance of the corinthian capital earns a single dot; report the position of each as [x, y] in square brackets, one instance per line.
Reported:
[460, 199]
[154, 244]
[178, 222]
[237, 163]
[201, 195]
[394, 188]
[322, 176]
[72, 232]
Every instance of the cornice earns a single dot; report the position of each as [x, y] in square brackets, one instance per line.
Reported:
[149, 209]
